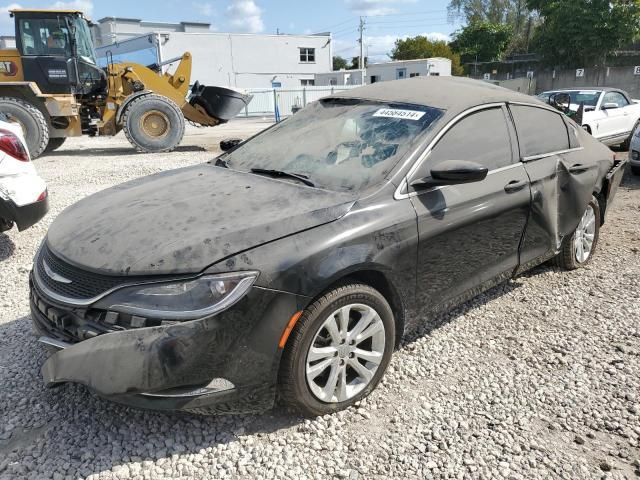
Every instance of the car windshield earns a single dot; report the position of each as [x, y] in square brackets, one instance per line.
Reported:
[338, 144]
[589, 97]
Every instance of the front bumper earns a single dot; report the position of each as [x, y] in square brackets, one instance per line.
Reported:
[23, 216]
[225, 363]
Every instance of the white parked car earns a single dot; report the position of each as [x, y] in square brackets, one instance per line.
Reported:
[610, 114]
[23, 194]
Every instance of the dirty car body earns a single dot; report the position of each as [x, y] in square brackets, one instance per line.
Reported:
[175, 291]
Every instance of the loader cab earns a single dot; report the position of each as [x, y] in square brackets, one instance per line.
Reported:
[57, 52]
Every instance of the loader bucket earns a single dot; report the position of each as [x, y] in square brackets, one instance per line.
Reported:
[219, 102]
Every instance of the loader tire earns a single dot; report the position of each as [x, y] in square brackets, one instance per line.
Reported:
[34, 123]
[54, 144]
[153, 123]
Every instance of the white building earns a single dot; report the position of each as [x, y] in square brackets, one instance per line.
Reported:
[340, 78]
[7, 41]
[224, 59]
[397, 70]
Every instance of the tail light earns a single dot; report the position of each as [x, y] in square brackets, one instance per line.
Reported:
[12, 145]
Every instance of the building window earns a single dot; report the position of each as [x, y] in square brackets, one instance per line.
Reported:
[307, 55]
[307, 83]
[374, 78]
[434, 74]
[411, 75]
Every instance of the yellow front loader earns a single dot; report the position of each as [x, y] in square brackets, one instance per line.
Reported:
[52, 85]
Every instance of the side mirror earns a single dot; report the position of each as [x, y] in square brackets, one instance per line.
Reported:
[453, 172]
[230, 143]
[609, 106]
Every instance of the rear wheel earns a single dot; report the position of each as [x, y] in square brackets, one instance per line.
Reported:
[54, 144]
[153, 123]
[338, 351]
[34, 123]
[579, 248]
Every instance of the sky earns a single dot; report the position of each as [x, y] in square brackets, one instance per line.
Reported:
[385, 20]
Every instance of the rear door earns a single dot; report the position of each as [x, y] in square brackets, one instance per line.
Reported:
[561, 181]
[469, 234]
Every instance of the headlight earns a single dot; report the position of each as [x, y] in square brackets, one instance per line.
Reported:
[183, 300]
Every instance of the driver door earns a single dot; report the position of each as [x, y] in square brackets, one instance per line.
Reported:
[469, 235]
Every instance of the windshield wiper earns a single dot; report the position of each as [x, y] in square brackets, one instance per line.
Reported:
[279, 173]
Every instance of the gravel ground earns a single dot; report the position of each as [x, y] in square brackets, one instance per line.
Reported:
[537, 378]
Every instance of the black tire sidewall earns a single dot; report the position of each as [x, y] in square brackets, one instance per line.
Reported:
[142, 141]
[308, 327]
[34, 123]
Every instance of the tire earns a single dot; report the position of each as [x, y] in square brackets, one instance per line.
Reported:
[302, 393]
[153, 123]
[34, 123]
[54, 144]
[635, 170]
[569, 256]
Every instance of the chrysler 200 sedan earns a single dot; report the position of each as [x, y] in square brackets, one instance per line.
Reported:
[292, 265]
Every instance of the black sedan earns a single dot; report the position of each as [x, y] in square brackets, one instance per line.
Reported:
[292, 265]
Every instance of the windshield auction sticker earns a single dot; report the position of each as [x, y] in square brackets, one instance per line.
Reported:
[397, 113]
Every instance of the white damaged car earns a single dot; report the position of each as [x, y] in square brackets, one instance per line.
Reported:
[609, 114]
[23, 194]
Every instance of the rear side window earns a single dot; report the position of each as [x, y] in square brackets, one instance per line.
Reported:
[540, 131]
[480, 137]
[615, 97]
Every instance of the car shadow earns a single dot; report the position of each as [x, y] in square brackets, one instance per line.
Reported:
[630, 181]
[7, 247]
[61, 421]
[114, 152]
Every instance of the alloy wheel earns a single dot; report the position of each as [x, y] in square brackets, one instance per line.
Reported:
[345, 353]
[584, 236]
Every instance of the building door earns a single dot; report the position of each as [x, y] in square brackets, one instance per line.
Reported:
[401, 73]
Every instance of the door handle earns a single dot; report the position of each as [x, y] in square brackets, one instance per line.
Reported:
[578, 168]
[515, 185]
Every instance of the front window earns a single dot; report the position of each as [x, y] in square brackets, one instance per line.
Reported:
[338, 144]
[307, 55]
[84, 44]
[589, 97]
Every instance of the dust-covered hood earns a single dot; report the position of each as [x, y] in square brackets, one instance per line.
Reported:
[184, 220]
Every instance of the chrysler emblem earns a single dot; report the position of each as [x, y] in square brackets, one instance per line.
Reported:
[53, 275]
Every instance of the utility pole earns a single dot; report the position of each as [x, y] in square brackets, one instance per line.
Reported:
[361, 57]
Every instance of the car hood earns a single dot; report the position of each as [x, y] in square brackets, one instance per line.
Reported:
[184, 220]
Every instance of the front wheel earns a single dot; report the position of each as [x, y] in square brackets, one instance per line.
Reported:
[153, 123]
[338, 351]
[578, 249]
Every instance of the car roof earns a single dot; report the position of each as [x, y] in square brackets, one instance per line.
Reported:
[453, 94]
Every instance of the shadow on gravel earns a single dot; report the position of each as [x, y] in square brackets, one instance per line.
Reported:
[78, 434]
[630, 181]
[7, 247]
[115, 152]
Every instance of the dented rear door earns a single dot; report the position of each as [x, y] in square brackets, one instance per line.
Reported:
[562, 181]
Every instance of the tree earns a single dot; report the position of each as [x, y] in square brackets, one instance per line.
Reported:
[339, 63]
[579, 33]
[421, 47]
[483, 41]
[355, 62]
[514, 13]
